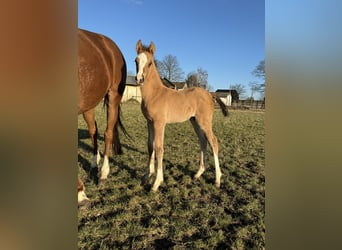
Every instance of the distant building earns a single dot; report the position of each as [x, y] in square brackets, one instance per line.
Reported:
[132, 90]
[228, 96]
[174, 85]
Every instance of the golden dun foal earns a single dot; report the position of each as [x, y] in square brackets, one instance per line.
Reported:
[161, 105]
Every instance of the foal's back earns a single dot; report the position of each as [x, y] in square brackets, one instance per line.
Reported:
[180, 106]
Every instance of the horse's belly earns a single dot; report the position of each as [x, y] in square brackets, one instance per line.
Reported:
[179, 116]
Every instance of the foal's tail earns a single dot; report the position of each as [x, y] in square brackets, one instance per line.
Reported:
[223, 106]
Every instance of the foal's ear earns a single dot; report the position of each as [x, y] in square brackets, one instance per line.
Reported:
[152, 48]
[138, 47]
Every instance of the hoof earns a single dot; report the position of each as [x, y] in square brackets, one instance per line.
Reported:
[217, 185]
[84, 204]
[155, 189]
[102, 182]
[145, 179]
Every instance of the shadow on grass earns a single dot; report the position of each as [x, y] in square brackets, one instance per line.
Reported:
[92, 172]
[163, 243]
[86, 165]
[130, 148]
[84, 134]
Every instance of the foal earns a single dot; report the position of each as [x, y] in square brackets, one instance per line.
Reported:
[161, 105]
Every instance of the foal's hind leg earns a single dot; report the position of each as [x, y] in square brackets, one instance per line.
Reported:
[203, 143]
[206, 126]
[89, 117]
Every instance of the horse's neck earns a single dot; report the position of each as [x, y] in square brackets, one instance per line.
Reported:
[152, 84]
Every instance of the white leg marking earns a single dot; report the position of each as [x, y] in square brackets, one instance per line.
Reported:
[81, 196]
[218, 171]
[98, 157]
[96, 160]
[159, 180]
[105, 168]
[152, 168]
[201, 168]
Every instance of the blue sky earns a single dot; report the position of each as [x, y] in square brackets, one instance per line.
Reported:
[224, 37]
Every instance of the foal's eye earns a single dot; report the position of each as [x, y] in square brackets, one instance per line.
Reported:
[149, 65]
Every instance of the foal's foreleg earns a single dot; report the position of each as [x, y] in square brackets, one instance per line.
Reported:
[89, 117]
[203, 143]
[159, 150]
[151, 152]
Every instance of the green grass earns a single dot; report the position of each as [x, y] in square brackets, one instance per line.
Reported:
[184, 213]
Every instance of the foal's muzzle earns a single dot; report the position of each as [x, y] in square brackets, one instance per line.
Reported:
[140, 81]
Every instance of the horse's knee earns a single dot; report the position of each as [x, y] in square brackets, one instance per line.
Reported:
[80, 185]
[92, 131]
[108, 134]
[159, 150]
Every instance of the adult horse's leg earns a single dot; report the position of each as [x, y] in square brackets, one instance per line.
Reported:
[151, 152]
[82, 198]
[206, 125]
[89, 117]
[112, 103]
[159, 128]
[203, 143]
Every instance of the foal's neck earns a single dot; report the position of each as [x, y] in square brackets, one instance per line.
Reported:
[152, 83]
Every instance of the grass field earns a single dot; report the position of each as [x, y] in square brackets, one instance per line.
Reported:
[184, 213]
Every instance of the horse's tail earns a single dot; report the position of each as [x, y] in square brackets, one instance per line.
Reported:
[223, 106]
[116, 141]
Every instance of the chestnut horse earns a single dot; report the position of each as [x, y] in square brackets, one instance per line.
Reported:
[101, 75]
[161, 105]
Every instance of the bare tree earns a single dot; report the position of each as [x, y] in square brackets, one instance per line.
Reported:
[255, 87]
[198, 79]
[240, 89]
[259, 72]
[191, 80]
[202, 77]
[170, 69]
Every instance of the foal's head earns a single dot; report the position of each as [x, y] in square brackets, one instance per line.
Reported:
[144, 61]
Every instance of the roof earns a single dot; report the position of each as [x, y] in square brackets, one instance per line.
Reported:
[225, 92]
[168, 83]
[179, 85]
[130, 80]
[173, 85]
